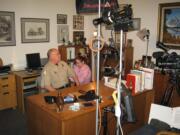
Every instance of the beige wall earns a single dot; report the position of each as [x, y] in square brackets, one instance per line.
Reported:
[37, 9]
[147, 10]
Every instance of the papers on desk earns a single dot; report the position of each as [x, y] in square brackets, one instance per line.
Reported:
[111, 82]
[166, 114]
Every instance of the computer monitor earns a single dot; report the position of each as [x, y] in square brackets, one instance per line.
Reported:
[33, 61]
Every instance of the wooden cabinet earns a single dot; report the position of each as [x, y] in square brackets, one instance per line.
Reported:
[160, 83]
[113, 60]
[7, 91]
[141, 103]
[26, 86]
[69, 52]
[127, 60]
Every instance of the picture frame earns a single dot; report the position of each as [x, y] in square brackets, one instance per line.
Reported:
[78, 22]
[118, 38]
[7, 29]
[63, 33]
[168, 24]
[136, 24]
[34, 30]
[77, 36]
[61, 19]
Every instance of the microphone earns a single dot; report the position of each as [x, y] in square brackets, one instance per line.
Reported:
[162, 46]
[98, 21]
[158, 55]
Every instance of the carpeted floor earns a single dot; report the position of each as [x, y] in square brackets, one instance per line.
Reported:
[12, 122]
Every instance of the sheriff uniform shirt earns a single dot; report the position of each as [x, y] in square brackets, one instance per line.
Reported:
[56, 75]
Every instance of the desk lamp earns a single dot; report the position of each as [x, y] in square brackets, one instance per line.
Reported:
[144, 36]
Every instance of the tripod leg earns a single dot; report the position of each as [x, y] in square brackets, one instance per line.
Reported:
[172, 93]
[167, 95]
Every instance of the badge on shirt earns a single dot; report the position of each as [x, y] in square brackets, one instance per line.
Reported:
[44, 72]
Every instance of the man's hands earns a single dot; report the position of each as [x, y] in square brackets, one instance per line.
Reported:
[50, 88]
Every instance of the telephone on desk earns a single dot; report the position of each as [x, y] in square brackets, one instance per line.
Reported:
[88, 96]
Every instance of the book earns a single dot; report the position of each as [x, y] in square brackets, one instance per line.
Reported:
[148, 78]
[133, 83]
[166, 114]
[142, 79]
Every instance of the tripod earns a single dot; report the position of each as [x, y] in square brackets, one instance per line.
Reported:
[171, 87]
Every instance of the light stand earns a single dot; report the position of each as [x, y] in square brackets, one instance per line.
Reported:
[120, 24]
[98, 66]
[117, 108]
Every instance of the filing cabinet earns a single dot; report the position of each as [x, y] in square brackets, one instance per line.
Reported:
[7, 91]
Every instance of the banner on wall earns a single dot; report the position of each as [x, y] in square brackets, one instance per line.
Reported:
[91, 6]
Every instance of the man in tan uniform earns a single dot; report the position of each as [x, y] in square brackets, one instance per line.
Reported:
[56, 73]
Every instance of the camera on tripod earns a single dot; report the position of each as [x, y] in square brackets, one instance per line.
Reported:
[169, 63]
[165, 60]
[121, 19]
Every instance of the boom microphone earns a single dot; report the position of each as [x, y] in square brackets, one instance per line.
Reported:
[158, 55]
[162, 46]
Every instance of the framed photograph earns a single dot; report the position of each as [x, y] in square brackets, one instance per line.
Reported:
[136, 24]
[61, 19]
[78, 22]
[63, 33]
[77, 36]
[7, 28]
[118, 38]
[34, 30]
[169, 24]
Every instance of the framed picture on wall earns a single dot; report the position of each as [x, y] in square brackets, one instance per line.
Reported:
[118, 38]
[61, 19]
[7, 28]
[34, 30]
[63, 33]
[78, 22]
[77, 36]
[136, 24]
[169, 24]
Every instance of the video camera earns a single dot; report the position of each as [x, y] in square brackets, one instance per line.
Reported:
[121, 19]
[165, 60]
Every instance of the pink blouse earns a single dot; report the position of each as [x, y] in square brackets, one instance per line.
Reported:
[83, 74]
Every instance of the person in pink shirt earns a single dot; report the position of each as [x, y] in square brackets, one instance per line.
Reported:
[82, 70]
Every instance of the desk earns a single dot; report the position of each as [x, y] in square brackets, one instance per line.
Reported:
[44, 120]
[26, 84]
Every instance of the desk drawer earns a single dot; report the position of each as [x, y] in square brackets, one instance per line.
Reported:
[4, 80]
[30, 83]
[7, 83]
[7, 100]
[4, 88]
